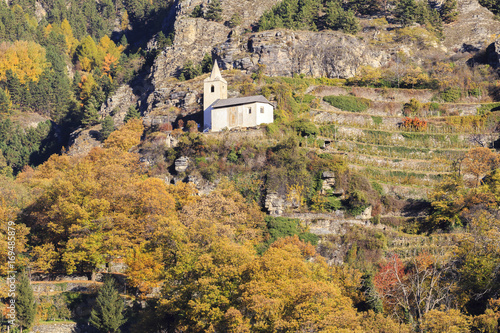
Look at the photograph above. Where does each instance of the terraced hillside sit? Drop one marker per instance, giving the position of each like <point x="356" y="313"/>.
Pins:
<point x="403" y="158"/>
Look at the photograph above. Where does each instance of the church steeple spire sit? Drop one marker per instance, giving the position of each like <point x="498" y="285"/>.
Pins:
<point x="215" y="72"/>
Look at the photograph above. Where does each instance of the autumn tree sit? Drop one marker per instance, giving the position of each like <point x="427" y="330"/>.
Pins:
<point x="443" y="321"/>
<point x="127" y="136"/>
<point x="478" y="261"/>
<point x="415" y="288"/>
<point x="25" y="59"/>
<point x="94" y="222"/>
<point x="479" y="162"/>
<point x="283" y="291"/>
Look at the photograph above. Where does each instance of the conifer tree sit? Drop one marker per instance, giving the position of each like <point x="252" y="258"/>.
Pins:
<point x="207" y="63"/>
<point x="107" y="314"/>
<point x="406" y="12"/>
<point x="25" y="302"/>
<point x="5" y="102"/>
<point x="108" y="126"/>
<point x="449" y="11"/>
<point x="214" y="11"/>
<point x="132" y="113"/>
<point x="90" y="114"/>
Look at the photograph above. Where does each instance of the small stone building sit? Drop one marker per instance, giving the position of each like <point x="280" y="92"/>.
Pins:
<point x="221" y="112"/>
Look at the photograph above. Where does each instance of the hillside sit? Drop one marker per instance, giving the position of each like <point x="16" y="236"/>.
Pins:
<point x="370" y="204"/>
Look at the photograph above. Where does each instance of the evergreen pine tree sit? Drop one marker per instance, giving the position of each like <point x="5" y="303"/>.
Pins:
<point x="214" y="11"/>
<point x="449" y="11"/>
<point x="90" y="114"/>
<point x="406" y="12"/>
<point x="25" y="302"/>
<point x="107" y="314"/>
<point x="197" y="11"/>
<point x="349" y="23"/>
<point x="123" y="40"/>
<point x="108" y="126"/>
<point x="14" y="86"/>
<point x="132" y="113"/>
<point x="5" y="102"/>
<point x="207" y="63"/>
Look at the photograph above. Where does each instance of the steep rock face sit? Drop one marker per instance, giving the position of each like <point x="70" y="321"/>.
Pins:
<point x="117" y="105"/>
<point x="327" y="53"/>
<point x="249" y="10"/>
<point x="82" y="141"/>
<point x="473" y="29"/>
<point x="194" y="37"/>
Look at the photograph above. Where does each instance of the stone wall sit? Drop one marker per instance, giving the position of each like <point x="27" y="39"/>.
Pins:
<point x="330" y="224"/>
<point x="50" y="287"/>
<point x="63" y="327"/>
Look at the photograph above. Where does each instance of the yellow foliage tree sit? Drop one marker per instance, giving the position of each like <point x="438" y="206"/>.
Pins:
<point x="67" y="32"/>
<point x="26" y="60"/>
<point x="86" y="86"/>
<point x="124" y="20"/>
<point x="445" y="321"/>
<point x="480" y="161"/>
<point x="108" y="54"/>
<point x="127" y="136"/>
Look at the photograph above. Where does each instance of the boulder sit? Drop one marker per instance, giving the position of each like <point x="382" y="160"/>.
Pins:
<point x="181" y="164"/>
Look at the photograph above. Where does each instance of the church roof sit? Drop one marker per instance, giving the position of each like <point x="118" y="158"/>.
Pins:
<point x="215" y="75"/>
<point x="223" y="103"/>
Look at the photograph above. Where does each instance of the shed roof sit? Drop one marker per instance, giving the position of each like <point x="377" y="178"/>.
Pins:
<point x="222" y="103"/>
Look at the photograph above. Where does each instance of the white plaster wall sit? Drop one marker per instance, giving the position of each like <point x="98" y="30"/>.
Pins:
<point x="249" y="118"/>
<point x="267" y="117"/>
<point x="220" y="119"/>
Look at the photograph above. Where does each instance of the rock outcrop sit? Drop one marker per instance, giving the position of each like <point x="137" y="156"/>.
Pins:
<point x="181" y="164"/>
<point x="117" y="105"/>
<point x="82" y="141"/>
<point x="473" y="29"/>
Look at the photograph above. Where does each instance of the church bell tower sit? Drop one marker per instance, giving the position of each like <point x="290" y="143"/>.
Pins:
<point x="214" y="87"/>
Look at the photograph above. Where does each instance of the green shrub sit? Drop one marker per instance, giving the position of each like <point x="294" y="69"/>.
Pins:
<point x="451" y="94"/>
<point x="232" y="156"/>
<point x="375" y="219"/>
<point x="280" y="227"/>
<point x="308" y="237"/>
<point x="348" y="103"/>
<point x="356" y="202"/>
<point x="377" y="120"/>
<point x="378" y="188"/>
<point x="305" y="127"/>
<point x="333" y="203"/>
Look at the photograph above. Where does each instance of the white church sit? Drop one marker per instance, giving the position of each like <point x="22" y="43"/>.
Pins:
<point x="221" y="112"/>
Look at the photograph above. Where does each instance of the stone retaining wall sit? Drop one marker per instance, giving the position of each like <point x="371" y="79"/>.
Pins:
<point x="65" y="327"/>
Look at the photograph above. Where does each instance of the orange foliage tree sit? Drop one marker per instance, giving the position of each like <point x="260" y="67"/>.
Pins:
<point x="414" y="124"/>
<point x="479" y="162"/>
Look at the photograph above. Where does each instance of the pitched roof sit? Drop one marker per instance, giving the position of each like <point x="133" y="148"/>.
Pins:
<point x="215" y="75"/>
<point x="222" y="103"/>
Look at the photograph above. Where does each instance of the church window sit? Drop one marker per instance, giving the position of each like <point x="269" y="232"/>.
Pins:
<point x="249" y="110"/>
<point x="261" y="109"/>
<point x="212" y="89"/>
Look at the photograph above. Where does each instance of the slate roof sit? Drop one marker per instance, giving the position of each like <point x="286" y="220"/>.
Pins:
<point x="223" y="103"/>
